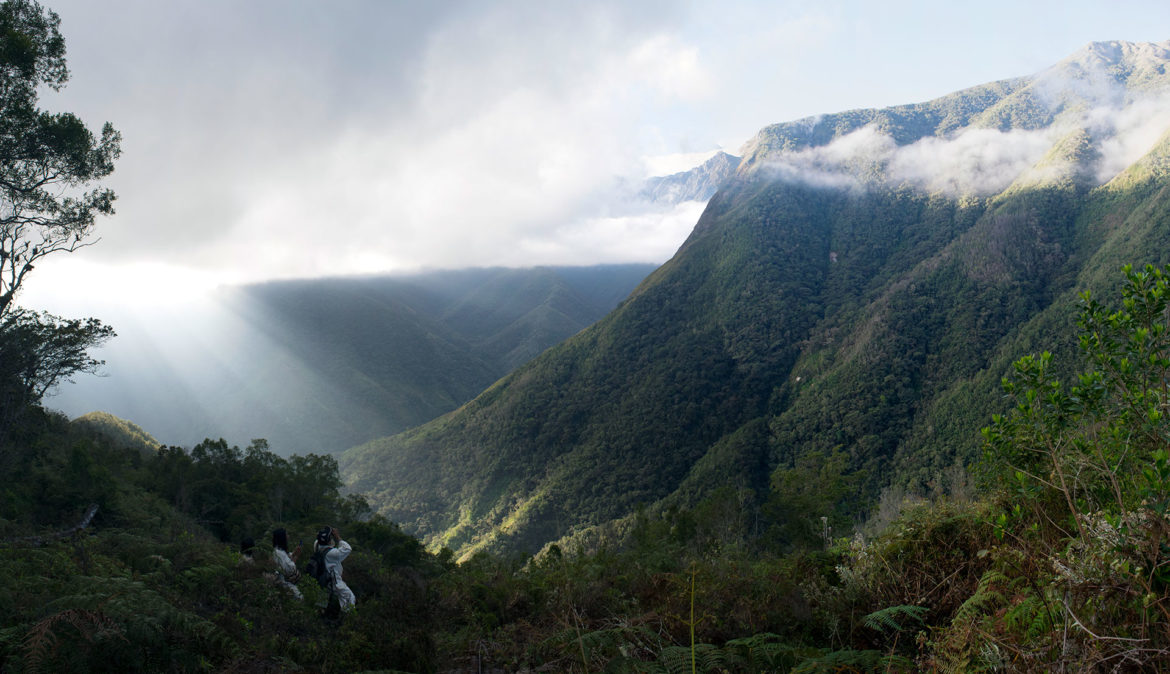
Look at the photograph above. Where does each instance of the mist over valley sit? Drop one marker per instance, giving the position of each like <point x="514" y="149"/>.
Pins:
<point x="322" y="365"/>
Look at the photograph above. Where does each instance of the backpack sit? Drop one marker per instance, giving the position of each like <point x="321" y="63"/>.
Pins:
<point x="316" y="569"/>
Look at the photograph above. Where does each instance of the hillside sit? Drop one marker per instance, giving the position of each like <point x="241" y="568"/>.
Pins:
<point x="857" y="290"/>
<point x="321" y="365"/>
<point x="118" y="432"/>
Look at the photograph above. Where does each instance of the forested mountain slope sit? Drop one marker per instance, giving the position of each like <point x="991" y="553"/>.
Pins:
<point x="857" y="290"/>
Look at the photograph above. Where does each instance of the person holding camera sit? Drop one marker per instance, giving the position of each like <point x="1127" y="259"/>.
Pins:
<point x="332" y="551"/>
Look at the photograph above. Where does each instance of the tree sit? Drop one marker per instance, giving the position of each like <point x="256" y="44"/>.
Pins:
<point x="48" y="162"/>
<point x="813" y="499"/>
<point x="1084" y="472"/>
<point x="1089" y="445"/>
<point x="48" y="202"/>
<point x="39" y="351"/>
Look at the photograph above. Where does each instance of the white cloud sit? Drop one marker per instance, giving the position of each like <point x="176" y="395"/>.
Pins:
<point x="673" y="68"/>
<point x="485" y="163"/>
<point x="301" y="139"/>
<point x="1127" y="134"/>
<point x="676" y="162"/>
<point x="971" y="162"/>
<point x="614" y="238"/>
<point x="981" y="161"/>
<point x="974" y="161"/>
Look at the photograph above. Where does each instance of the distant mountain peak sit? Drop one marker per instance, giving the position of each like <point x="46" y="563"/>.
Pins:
<point x="1138" y="55"/>
<point x="1107" y="73"/>
<point x="1110" y="98"/>
<point x="697" y="184"/>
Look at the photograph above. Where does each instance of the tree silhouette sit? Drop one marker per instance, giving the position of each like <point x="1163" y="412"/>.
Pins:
<point x="48" y="162"/>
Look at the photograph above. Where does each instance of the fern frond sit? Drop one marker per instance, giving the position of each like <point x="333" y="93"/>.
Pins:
<point x="1029" y="617"/>
<point x="600" y="641"/>
<point x="986" y="597"/>
<point x="766" y="650"/>
<point x="708" y="658"/>
<point x="843" y="661"/>
<point x="684" y="660"/>
<point x="42" y="639"/>
<point x="895" y="618"/>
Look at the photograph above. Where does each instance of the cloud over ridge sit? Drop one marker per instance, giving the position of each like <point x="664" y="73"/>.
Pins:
<point x="1017" y="139"/>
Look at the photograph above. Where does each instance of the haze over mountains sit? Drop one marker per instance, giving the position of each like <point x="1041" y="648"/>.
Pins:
<point x="322" y="365"/>
<point x="856" y="289"/>
<point x="697" y="184"/>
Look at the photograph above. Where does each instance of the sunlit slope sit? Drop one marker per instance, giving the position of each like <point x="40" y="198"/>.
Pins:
<point x="118" y="432"/>
<point x="860" y="287"/>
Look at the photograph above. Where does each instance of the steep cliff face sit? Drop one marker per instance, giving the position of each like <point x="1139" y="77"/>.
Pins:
<point x="859" y="285"/>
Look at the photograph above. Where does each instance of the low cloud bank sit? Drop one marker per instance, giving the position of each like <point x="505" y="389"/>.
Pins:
<point x="974" y="161"/>
<point x="1082" y="95"/>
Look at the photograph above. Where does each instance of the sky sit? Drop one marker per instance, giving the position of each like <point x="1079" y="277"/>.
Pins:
<point x="281" y="139"/>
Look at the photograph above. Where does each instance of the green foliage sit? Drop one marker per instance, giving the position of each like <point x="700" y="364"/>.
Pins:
<point x="818" y="332"/>
<point x="697" y="658"/>
<point x="364" y="357"/>
<point x="764" y="652"/>
<point x="796" y="321"/>
<point x="147" y="586"/>
<point x="118" y="431"/>
<point x="895" y="618"/>
<point x="814" y="501"/>
<point x="39" y="351"/>
<point x="1090" y="445"/>
<point x="237" y="492"/>
<point x="1085" y="471"/>
<point x="854" y="661"/>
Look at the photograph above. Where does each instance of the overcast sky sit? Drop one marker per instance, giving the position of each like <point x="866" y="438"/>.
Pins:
<point x="290" y="139"/>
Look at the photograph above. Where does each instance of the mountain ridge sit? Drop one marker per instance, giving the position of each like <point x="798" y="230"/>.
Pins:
<point x="854" y="288"/>
<point x="697" y="184"/>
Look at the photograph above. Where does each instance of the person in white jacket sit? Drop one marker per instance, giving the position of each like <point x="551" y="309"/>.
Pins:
<point x="337" y="550"/>
<point x="286" y="564"/>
